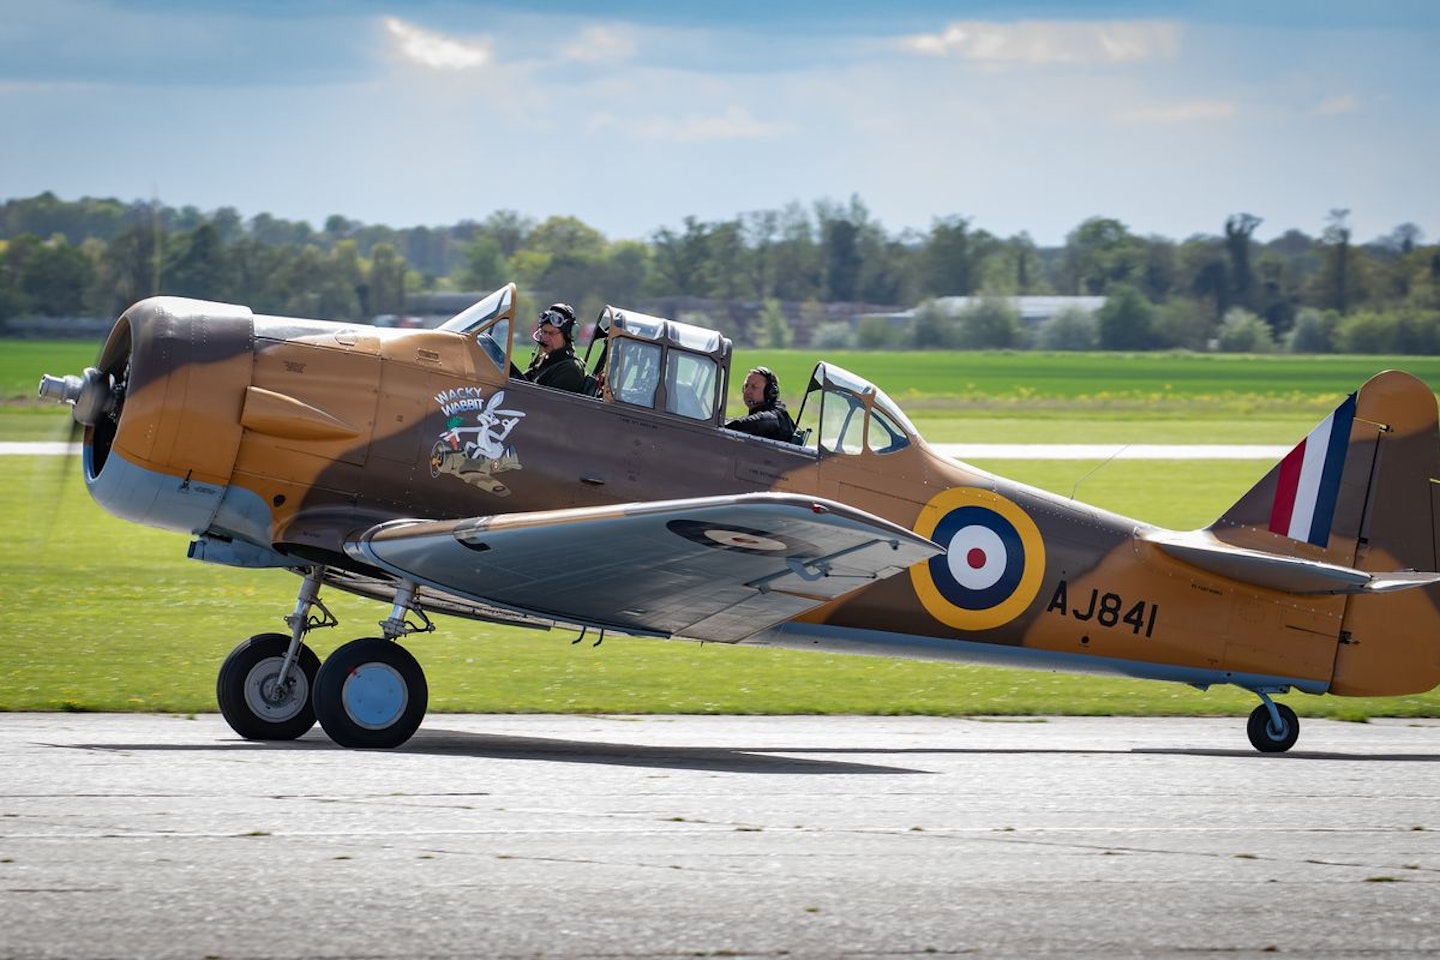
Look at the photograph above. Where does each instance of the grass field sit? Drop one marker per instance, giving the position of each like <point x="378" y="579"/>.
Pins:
<point x="103" y="615"/>
<point x="1197" y="384"/>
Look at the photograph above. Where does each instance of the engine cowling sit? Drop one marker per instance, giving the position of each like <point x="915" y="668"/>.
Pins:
<point x="162" y="447"/>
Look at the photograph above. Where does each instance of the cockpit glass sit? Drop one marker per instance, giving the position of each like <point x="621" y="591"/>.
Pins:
<point x="479" y="312"/>
<point x="884" y="435"/>
<point x="847" y="380"/>
<point x="842" y="422"/>
<point x="694" y="338"/>
<point x="690" y="385"/>
<point x="494" y="340"/>
<point x="842" y="397"/>
<point x="883" y="402"/>
<point x="640" y="324"/>
<point x="635" y="372"/>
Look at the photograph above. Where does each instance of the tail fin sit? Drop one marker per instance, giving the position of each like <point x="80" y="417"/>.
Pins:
<point x="1362" y="490"/>
<point x="1378" y="449"/>
<point x="1307" y="484"/>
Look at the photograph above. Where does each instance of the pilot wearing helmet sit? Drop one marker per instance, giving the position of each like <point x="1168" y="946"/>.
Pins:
<point x="555" y="364"/>
<point x="767" y="415"/>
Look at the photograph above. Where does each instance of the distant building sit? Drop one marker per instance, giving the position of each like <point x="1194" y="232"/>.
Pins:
<point x="1033" y="310"/>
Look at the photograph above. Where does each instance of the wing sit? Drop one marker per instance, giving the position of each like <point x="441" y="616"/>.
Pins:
<point x="713" y="568"/>
<point x="1281" y="572"/>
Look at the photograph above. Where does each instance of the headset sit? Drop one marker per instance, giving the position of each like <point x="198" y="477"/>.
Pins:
<point x="772" y="384"/>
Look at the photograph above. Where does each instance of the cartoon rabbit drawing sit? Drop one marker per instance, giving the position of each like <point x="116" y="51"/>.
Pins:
<point x="476" y="453"/>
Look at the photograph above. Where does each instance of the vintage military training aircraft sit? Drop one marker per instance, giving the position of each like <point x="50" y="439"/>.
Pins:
<point x="416" y="467"/>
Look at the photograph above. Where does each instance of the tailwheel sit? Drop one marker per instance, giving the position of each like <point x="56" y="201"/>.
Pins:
<point x="370" y="693"/>
<point x="1273" y="727"/>
<point x="251" y="700"/>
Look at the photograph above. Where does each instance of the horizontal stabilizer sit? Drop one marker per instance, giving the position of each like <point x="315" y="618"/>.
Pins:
<point x="1275" y="571"/>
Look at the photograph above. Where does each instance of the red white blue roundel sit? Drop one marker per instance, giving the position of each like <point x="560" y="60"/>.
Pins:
<point x="993" y="563"/>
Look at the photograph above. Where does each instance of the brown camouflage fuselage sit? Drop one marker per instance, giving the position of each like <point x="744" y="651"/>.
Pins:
<point x="276" y="441"/>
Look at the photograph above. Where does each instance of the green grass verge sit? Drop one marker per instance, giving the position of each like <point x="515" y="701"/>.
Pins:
<point x="22" y="362"/>
<point x="105" y="616"/>
<point x="1036" y="383"/>
<point x="977" y="381"/>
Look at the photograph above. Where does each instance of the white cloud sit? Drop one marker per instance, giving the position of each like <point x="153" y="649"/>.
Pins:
<point x="435" y="50"/>
<point x="1050" y="41"/>
<point x="1183" y="112"/>
<point x="735" y="123"/>
<point x="1331" y="106"/>
<point x="602" y="45"/>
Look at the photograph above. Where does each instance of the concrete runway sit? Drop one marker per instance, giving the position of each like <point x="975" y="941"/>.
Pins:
<point x="515" y="836"/>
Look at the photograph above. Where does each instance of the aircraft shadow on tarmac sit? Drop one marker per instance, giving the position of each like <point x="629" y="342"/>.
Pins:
<point x="1296" y="755"/>
<point x="789" y="760"/>
<point x="462" y="744"/>
<point x="1125" y="751"/>
<point x="726" y="759"/>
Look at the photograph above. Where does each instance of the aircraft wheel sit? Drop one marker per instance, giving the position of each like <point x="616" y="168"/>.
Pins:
<point x="1266" y="738"/>
<point x="370" y="693"/>
<point x="249" y="701"/>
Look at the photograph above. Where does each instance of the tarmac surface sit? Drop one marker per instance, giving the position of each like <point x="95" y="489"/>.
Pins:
<point x="657" y="837"/>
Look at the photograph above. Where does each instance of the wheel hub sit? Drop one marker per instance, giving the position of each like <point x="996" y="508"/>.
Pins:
<point x="271" y="701"/>
<point x="375" y="695"/>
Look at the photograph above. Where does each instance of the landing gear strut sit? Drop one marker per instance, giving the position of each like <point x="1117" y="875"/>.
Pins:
<point x="369" y="693"/>
<point x="265" y="685"/>
<point x="1273" y="727"/>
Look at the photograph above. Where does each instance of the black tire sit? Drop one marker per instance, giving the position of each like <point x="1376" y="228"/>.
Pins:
<point x="1268" y="740"/>
<point x="370" y="693"/>
<point x="244" y="688"/>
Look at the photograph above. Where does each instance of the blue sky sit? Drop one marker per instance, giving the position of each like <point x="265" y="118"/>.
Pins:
<point x="630" y="115"/>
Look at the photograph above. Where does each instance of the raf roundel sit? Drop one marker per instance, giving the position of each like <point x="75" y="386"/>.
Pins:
<point x="993" y="564"/>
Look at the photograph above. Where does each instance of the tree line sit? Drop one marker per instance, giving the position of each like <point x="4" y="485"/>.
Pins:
<point x="762" y="275"/>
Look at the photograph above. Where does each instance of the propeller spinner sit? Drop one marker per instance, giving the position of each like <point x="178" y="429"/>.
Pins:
<point x="92" y="395"/>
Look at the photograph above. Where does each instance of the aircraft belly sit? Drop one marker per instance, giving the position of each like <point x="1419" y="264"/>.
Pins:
<point x="828" y="638"/>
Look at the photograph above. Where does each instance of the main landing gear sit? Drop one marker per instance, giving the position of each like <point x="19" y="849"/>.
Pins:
<point x="1273" y="727"/>
<point x="369" y="693"/>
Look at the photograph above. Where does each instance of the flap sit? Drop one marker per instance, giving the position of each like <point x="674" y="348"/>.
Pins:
<point x="712" y="568"/>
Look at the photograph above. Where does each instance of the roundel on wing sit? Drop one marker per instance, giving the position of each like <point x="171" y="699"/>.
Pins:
<point x="993" y="564"/>
<point x="744" y="539"/>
